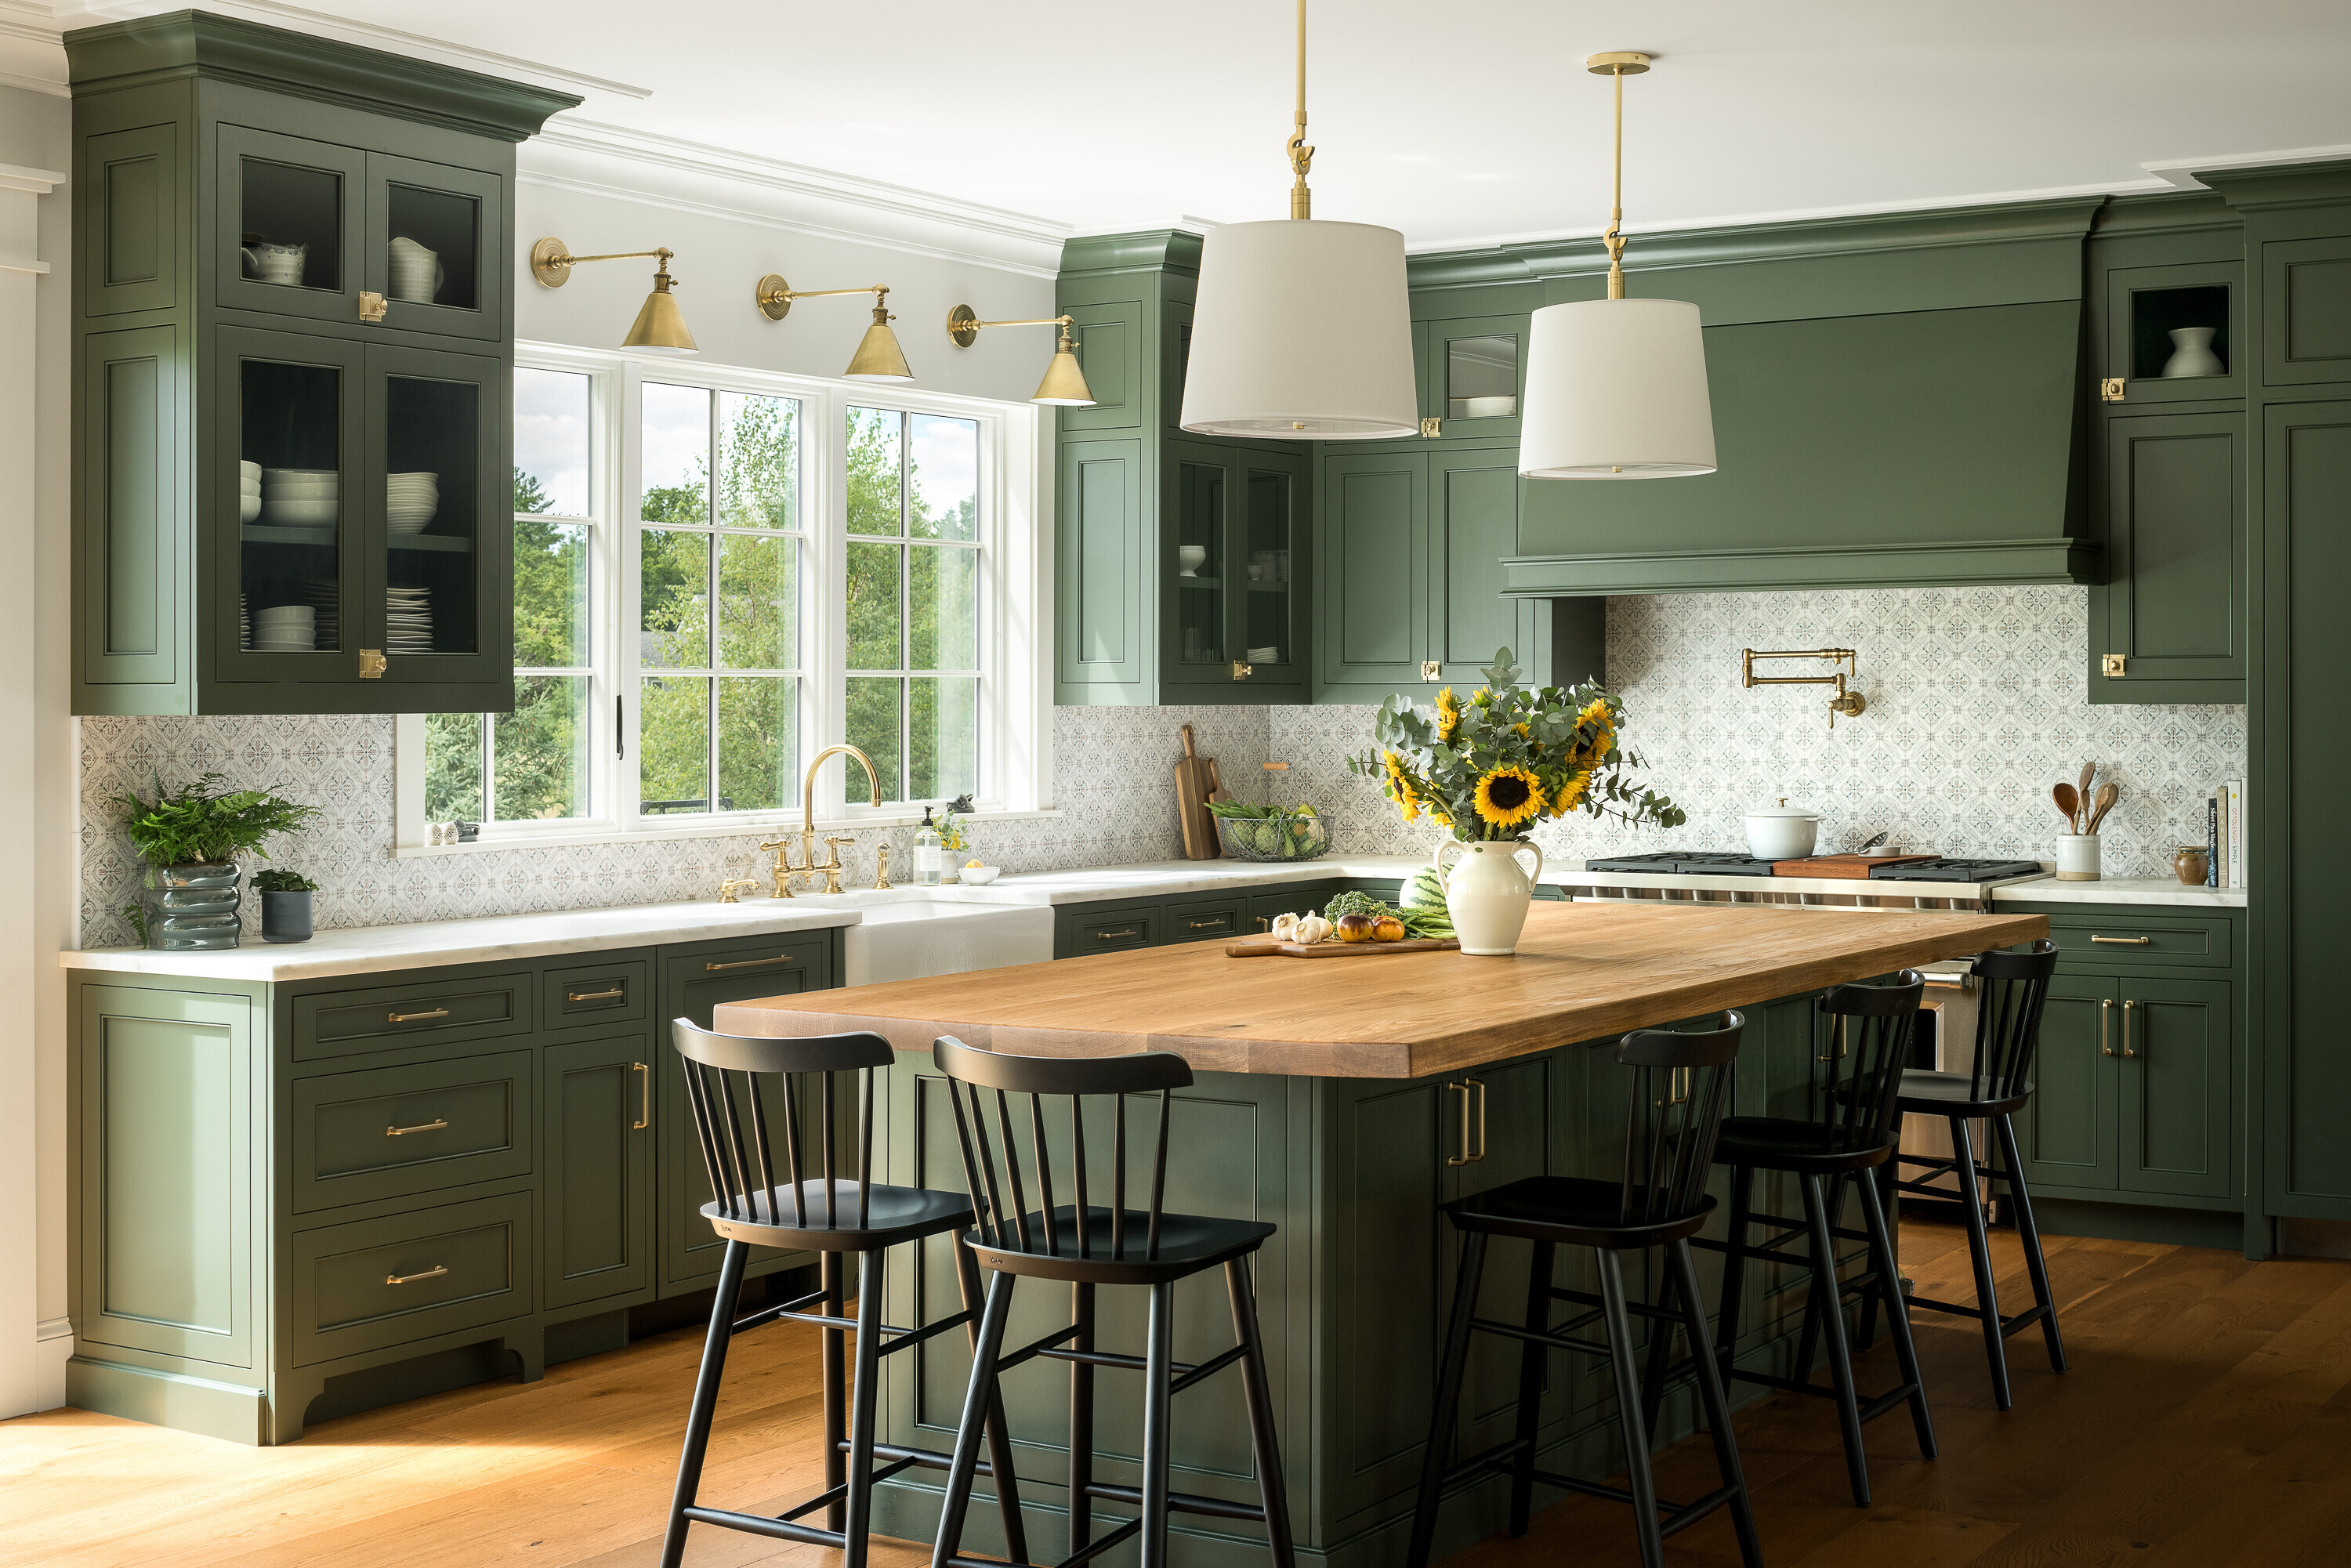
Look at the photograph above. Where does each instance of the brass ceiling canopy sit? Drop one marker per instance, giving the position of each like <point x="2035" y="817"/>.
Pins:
<point x="1064" y="385"/>
<point x="878" y="356"/>
<point x="660" y="326"/>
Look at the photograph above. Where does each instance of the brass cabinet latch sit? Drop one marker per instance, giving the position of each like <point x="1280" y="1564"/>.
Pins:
<point x="372" y="306"/>
<point x="1242" y="671"/>
<point x="2110" y="390"/>
<point x="1432" y="669"/>
<point x="2113" y="666"/>
<point x="1432" y="428"/>
<point x="372" y="664"/>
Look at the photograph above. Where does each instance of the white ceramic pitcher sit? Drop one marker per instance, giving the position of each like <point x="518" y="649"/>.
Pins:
<point x="1488" y="892"/>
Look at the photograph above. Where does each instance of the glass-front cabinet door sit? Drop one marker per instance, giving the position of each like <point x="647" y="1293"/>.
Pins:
<point x="429" y="236"/>
<point x="287" y="235"/>
<point x="1233" y="537"/>
<point x="287" y="518"/>
<point x="1201" y="520"/>
<point x="440" y="528"/>
<point x="1474" y="371"/>
<point x="1268" y="600"/>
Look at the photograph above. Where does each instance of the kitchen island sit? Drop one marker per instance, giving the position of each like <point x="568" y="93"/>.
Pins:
<point x="1344" y="1101"/>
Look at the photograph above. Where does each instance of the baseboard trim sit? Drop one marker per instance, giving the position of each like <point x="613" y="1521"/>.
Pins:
<point x="229" y="1411"/>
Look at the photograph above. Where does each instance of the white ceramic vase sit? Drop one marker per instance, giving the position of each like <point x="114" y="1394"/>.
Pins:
<point x="2191" y="353"/>
<point x="1487" y="892"/>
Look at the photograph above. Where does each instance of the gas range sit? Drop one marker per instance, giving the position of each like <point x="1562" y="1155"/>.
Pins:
<point x="1728" y="877"/>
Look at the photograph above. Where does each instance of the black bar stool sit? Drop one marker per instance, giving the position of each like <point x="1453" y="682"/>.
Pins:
<point x="1679" y="1085"/>
<point x="1085" y="1246"/>
<point x="2013" y="987"/>
<point x="1847" y="1132"/>
<point x="727" y="1085"/>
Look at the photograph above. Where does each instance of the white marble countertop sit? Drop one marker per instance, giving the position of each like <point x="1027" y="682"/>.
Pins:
<point x="376" y="948"/>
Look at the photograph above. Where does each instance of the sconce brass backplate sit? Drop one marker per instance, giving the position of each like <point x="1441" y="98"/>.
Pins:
<point x="962" y="326"/>
<point x="550" y="262"/>
<point x="775" y="296"/>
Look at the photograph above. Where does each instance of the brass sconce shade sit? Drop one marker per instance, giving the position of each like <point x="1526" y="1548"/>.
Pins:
<point x="1064" y="385"/>
<point x="878" y="356"/>
<point x="660" y="326"/>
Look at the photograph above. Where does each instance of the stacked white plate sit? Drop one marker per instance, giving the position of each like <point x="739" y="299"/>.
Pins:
<point x="243" y="623"/>
<point x="408" y="619"/>
<point x="326" y="599"/>
<point x="248" y="487"/>
<point x="409" y="501"/>
<point x="284" y="628"/>
<point x="415" y="272"/>
<point x="301" y="497"/>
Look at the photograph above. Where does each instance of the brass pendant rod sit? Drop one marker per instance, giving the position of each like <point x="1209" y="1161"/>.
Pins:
<point x="1301" y="156"/>
<point x="1614" y="238"/>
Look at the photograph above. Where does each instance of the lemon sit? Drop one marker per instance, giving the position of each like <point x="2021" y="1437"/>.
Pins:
<point x="972" y="866"/>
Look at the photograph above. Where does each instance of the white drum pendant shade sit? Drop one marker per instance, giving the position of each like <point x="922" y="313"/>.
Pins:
<point x="1302" y="331"/>
<point x="1616" y="389"/>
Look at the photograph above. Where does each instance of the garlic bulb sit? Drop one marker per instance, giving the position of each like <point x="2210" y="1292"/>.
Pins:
<point x="1311" y="929"/>
<point x="1283" y="927"/>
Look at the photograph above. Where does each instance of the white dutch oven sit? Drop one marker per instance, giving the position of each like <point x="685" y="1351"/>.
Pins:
<point x="1782" y="832"/>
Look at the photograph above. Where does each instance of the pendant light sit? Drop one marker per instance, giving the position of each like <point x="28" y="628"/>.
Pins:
<point x="1302" y="328"/>
<point x="660" y="326"/>
<point x="1617" y="387"/>
<point x="878" y="356"/>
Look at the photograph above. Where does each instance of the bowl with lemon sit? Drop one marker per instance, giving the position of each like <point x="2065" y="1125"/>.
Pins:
<point x="974" y="875"/>
<point x="1271" y="832"/>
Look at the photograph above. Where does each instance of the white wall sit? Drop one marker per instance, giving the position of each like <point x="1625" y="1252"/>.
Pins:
<point x="38" y="879"/>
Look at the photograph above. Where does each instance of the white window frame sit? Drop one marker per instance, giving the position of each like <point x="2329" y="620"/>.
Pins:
<point x="1016" y="609"/>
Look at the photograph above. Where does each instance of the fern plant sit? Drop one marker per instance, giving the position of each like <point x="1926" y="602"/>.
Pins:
<point x="204" y="822"/>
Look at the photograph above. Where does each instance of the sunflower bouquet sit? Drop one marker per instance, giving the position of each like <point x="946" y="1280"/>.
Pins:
<point x="1493" y="766"/>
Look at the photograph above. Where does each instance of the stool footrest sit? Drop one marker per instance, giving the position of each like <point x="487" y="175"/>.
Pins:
<point x="929" y="1458"/>
<point x="1181" y="1501"/>
<point x="1871" y="1410"/>
<point x="1587" y="1299"/>
<point x="2008" y="1326"/>
<point x="1086" y="1553"/>
<point x="760" y="1524"/>
<point x="838" y="1493"/>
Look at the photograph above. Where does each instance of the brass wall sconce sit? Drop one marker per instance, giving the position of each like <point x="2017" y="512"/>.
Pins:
<point x="878" y="356"/>
<point x="1850" y="704"/>
<point x="1064" y="385"/>
<point x="659" y="329"/>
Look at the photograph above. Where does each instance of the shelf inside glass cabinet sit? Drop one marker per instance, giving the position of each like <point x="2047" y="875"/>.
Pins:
<point x="432" y="449"/>
<point x="290" y="500"/>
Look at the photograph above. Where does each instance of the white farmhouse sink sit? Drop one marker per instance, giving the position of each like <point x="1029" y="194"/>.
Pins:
<point x="909" y="938"/>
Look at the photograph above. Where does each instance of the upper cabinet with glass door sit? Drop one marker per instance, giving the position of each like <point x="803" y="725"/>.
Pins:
<point x="1473" y="372"/>
<point x="294" y="314"/>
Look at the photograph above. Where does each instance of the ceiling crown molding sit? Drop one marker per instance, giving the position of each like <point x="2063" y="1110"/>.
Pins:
<point x="2184" y="171"/>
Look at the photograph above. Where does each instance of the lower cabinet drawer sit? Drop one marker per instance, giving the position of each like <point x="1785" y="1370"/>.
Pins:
<point x="434" y="1008"/>
<point x="1204" y="922"/>
<point x="378" y="1282"/>
<point x="2171" y="941"/>
<point x="362" y="1136"/>
<point x="1110" y="933"/>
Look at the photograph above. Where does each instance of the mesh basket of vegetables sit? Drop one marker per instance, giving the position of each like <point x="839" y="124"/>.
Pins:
<point x="1269" y="832"/>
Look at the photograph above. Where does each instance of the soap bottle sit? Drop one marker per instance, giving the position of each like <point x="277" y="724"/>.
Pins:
<point x="930" y="856"/>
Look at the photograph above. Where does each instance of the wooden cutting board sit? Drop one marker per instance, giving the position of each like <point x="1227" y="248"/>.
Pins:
<point x="1337" y="949"/>
<point x="1195" y="780"/>
<point x="1852" y="867"/>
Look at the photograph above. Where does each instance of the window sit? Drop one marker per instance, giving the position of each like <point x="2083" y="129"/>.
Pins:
<point x="719" y="572"/>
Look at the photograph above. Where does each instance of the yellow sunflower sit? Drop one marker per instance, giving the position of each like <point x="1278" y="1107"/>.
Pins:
<point x="1509" y="796"/>
<point x="1400" y="787"/>
<point x="1571" y="794"/>
<point x="1448" y="715"/>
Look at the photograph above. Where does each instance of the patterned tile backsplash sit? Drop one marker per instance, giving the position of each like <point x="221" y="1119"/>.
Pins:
<point x="1977" y="704"/>
<point x="1112" y="772"/>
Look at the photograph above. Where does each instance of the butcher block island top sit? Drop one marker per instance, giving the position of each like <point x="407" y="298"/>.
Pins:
<point x="1582" y="971"/>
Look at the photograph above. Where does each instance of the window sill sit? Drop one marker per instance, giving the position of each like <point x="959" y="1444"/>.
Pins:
<point x="764" y="827"/>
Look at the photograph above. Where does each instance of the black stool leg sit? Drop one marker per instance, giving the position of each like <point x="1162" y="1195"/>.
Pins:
<point x="1882" y="1264"/>
<point x="1717" y="1408"/>
<point x="2012" y="1164"/>
<point x="1734" y="1267"/>
<point x="999" y="1435"/>
<point x="1628" y="1412"/>
<point x="1447" y="1411"/>
<point x="1661" y="1350"/>
<point x="836" y="1401"/>
<point x="963" y="1465"/>
<point x="1826" y="1306"/>
<point x="1082" y="1422"/>
<point x="860" y="1409"/>
<point x="1880" y="1180"/>
<point x="1530" y="1375"/>
<point x="1979" y="1252"/>
<point x="1157" y="1374"/>
<point x="1257" y="1390"/>
<point x="706" y="1399"/>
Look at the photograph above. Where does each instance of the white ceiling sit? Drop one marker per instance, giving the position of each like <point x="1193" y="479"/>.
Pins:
<point x="1454" y="123"/>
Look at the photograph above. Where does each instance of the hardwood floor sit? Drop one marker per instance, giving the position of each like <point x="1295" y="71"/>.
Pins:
<point x="2206" y="1422"/>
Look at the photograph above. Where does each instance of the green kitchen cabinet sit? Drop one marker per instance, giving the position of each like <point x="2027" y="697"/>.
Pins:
<point x="1473" y="375"/>
<point x="2169" y="623"/>
<point x="598" y="1099"/>
<point x="297" y="256"/>
<point x="2307" y="288"/>
<point x="2068" y="1131"/>
<point x="1141" y="621"/>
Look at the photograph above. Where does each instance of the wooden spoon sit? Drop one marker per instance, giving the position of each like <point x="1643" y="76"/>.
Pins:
<point x="2108" y="796"/>
<point x="2070" y="804"/>
<point x="2082" y="793"/>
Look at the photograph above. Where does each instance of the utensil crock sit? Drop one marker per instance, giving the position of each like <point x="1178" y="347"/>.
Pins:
<point x="2077" y="857"/>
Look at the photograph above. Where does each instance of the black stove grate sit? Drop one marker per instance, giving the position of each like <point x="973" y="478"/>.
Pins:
<point x="1954" y="870"/>
<point x="1687" y="862"/>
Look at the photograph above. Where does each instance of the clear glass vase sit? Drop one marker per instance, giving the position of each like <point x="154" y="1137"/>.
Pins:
<point x="190" y="908"/>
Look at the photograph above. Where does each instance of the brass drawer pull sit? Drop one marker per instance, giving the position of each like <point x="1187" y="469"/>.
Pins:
<point x="1127" y="935"/>
<point x="2125" y="941"/>
<point x="644" y="1097"/>
<point x="415" y="1017"/>
<point x="1218" y="924"/>
<point x="2126" y="1044"/>
<point x="615" y="994"/>
<point x="1465" y="1157"/>
<point x="747" y="963"/>
<point x="434" y="1272"/>
<point x="2105" y="1017"/>
<point x="434" y="1125"/>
